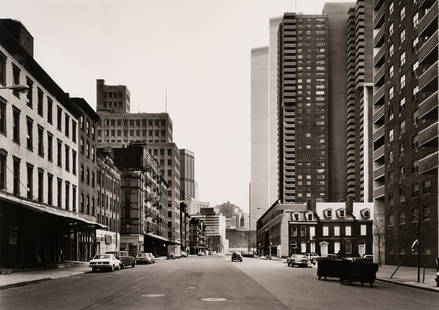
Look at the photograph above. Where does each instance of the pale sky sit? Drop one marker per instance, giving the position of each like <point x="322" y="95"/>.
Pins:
<point x="198" y="49"/>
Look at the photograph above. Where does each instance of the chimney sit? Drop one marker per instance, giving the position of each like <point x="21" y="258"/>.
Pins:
<point x="349" y="205"/>
<point x="311" y="204"/>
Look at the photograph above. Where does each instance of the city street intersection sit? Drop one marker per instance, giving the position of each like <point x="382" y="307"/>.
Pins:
<point x="212" y="282"/>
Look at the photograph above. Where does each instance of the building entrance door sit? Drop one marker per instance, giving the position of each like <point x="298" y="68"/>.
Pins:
<point x="324" y="248"/>
<point x="361" y="249"/>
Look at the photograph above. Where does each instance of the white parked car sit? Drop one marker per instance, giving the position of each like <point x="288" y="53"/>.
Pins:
<point x="105" y="261"/>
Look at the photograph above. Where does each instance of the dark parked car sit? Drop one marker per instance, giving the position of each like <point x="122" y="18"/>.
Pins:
<point x="125" y="258"/>
<point x="236" y="256"/>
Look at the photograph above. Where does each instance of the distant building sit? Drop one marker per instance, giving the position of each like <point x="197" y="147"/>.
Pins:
<point x="197" y="236"/>
<point x="235" y="218"/>
<point x="144" y="214"/>
<point x="215" y="229"/>
<point x="241" y="240"/>
<point x="187" y="175"/>
<point x="194" y="206"/>
<point x="323" y="228"/>
<point x="112" y="98"/>
<point x="260" y="133"/>
<point x="108" y="202"/>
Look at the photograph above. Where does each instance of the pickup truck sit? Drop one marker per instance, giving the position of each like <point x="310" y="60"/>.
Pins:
<point x="125" y="258"/>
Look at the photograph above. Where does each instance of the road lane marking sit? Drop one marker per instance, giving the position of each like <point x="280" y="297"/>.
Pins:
<point x="213" y="299"/>
<point x="153" y="295"/>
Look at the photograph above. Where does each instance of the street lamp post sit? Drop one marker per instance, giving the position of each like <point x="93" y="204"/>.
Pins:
<point x="18" y="88"/>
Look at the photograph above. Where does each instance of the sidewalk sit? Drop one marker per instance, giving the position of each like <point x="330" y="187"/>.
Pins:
<point x="408" y="276"/>
<point x="12" y="278"/>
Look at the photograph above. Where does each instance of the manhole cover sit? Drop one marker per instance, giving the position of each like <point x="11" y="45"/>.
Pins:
<point x="213" y="299"/>
<point x="153" y="295"/>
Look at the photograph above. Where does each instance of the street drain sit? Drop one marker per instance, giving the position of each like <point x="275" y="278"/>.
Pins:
<point x="213" y="299"/>
<point x="153" y="295"/>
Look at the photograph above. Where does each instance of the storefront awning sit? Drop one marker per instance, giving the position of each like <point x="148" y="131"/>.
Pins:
<point x="157" y="237"/>
<point x="38" y="207"/>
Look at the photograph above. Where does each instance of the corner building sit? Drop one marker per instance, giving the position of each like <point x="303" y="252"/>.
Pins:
<point x="302" y="108"/>
<point x="405" y="121"/>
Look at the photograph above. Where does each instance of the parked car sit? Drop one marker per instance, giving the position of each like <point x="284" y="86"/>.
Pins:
<point x="298" y="260"/>
<point x="142" y="258"/>
<point x="313" y="257"/>
<point x="368" y="258"/>
<point x="201" y="253"/>
<point x="125" y="258"/>
<point x="105" y="261"/>
<point x="236" y="256"/>
<point x="151" y="258"/>
<point x="183" y="254"/>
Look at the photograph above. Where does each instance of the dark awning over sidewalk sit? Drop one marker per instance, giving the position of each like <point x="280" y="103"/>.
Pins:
<point x="6" y="199"/>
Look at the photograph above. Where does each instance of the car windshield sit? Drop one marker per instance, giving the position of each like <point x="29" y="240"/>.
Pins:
<point x="102" y="256"/>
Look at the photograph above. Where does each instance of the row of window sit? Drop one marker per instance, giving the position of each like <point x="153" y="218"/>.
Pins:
<point x="414" y="216"/>
<point x="305" y="231"/>
<point x="18" y="186"/>
<point x="132" y="133"/>
<point x="134" y="122"/>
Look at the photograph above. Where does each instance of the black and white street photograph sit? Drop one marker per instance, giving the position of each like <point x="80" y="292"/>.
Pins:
<point x="219" y="154"/>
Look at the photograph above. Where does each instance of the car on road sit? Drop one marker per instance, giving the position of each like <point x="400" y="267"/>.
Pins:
<point x="183" y="254"/>
<point x="236" y="256"/>
<point x="298" y="260"/>
<point x="312" y="257"/>
<point x="124" y="257"/>
<point x="105" y="261"/>
<point x="368" y="258"/>
<point x="142" y="258"/>
<point x="201" y="253"/>
<point x="151" y="258"/>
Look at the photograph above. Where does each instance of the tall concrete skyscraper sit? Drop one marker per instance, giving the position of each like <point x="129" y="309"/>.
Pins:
<point x="273" y="126"/>
<point x="187" y="175"/>
<point x="303" y="107"/>
<point x="260" y="112"/>
<point x="337" y="14"/>
<point x="405" y="120"/>
<point x="359" y="87"/>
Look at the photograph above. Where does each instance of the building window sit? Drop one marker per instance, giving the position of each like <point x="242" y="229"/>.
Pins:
<point x="81" y="145"/>
<point x="59" y="153"/>
<point x="87" y="150"/>
<point x="40" y="141"/>
<point x="67" y="125"/>
<point x="363" y="230"/>
<point x="73" y="198"/>
<point x="29" y="96"/>
<point x="49" y="146"/>
<point x="402" y="59"/>
<point x="402" y="13"/>
<point x="49" y="189"/>
<point x="390" y="8"/>
<point x="390" y="135"/>
<point x="415" y="215"/>
<point x="30" y="182"/>
<point x="74" y="162"/>
<point x="391" y="29"/>
<point x="81" y="172"/>
<point x="67" y="195"/>
<point x="16" y="125"/>
<point x="40" y="184"/>
<point x="2" y="116"/>
<point x="402" y="127"/>
<point x="87" y="179"/>
<point x="426" y="213"/>
<point x="391" y="71"/>
<point x="49" y="110"/>
<point x="67" y="157"/>
<point x="391" y="51"/>
<point x="426" y="187"/>
<point x="348" y="231"/>
<point x="415" y="19"/>
<point x="401" y="218"/>
<point x="30" y="136"/>
<point x="401" y="195"/>
<point x="3" y="169"/>
<point x="2" y="69"/>
<point x="348" y="247"/>
<point x="40" y="102"/>
<point x="390" y="220"/>
<point x="16" y="79"/>
<point x="59" y="189"/>
<point x="336" y="230"/>
<point x="59" y="118"/>
<point x="402" y="83"/>
<point x="325" y="231"/>
<point x="415" y="190"/>
<point x="73" y="131"/>
<point x="302" y="231"/>
<point x="391" y="93"/>
<point x="402" y="36"/>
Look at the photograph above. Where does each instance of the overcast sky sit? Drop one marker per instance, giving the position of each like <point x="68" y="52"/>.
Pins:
<point x="198" y="49"/>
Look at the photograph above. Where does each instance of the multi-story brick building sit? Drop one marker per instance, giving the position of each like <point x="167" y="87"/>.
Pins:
<point x="143" y="213"/>
<point x="303" y="103"/>
<point x="197" y="236"/>
<point x="87" y="173"/>
<point x="406" y="128"/>
<point x="38" y="159"/>
<point x="359" y="154"/>
<point x="108" y="202"/>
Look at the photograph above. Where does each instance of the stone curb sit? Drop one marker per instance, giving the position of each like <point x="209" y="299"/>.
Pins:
<point x="410" y="285"/>
<point x="4" y="287"/>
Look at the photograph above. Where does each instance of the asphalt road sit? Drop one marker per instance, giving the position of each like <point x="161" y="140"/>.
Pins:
<point x="212" y="283"/>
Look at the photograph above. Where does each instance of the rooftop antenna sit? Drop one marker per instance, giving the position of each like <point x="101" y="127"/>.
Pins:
<point x="166" y="100"/>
